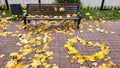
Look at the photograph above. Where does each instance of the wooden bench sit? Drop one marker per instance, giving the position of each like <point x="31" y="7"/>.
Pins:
<point x="52" y="12"/>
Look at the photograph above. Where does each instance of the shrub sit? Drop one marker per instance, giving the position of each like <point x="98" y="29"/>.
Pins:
<point x="2" y="6"/>
<point x="70" y="1"/>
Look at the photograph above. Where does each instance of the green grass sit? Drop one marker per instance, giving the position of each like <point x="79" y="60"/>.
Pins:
<point x="97" y="14"/>
<point x="104" y="14"/>
<point x="7" y="13"/>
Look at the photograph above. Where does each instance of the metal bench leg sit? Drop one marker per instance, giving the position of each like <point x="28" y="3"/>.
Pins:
<point x="28" y="21"/>
<point x="78" y="22"/>
<point x="25" y="22"/>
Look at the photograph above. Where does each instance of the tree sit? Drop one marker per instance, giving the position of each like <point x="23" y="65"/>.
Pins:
<point x="102" y="4"/>
<point x="7" y="6"/>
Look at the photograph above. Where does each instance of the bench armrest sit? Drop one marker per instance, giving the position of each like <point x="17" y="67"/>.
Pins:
<point x="79" y="15"/>
<point x="24" y="15"/>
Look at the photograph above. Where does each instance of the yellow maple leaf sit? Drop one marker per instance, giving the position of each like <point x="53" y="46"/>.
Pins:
<point x="111" y="64"/>
<point x="43" y="59"/>
<point x="72" y="61"/>
<point x="49" y="53"/>
<point x="83" y="42"/>
<point x="46" y="17"/>
<point x="24" y="41"/>
<point x="21" y="65"/>
<point x="32" y="40"/>
<point x="28" y="50"/>
<point x="46" y="46"/>
<point x="4" y="13"/>
<point x="87" y="13"/>
<point x="75" y="15"/>
<point x="55" y="16"/>
<point x="90" y="29"/>
<point x="35" y="64"/>
<point x="55" y="8"/>
<point x="61" y="9"/>
<point x="72" y="51"/>
<point x="11" y="64"/>
<point x="50" y="58"/>
<point x="81" y="31"/>
<point x="29" y="34"/>
<point x="68" y="15"/>
<point x="103" y="66"/>
<point x="20" y="56"/>
<point x="60" y="16"/>
<point x="47" y="65"/>
<point x="91" y="58"/>
<point x="113" y="32"/>
<point x="1" y="56"/>
<point x="81" y="60"/>
<point x="94" y="63"/>
<point x="105" y="51"/>
<point x="97" y="23"/>
<point x="91" y="17"/>
<point x="45" y="38"/>
<point x="13" y="54"/>
<point x="14" y="35"/>
<point x="55" y="66"/>
<point x="100" y="55"/>
<point x="67" y="56"/>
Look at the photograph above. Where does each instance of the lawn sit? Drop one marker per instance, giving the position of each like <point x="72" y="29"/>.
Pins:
<point x="104" y="14"/>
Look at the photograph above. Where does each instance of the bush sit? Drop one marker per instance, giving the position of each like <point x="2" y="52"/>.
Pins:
<point x="70" y="1"/>
<point x="2" y="6"/>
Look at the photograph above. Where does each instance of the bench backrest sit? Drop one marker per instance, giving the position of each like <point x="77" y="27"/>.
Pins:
<point x="52" y="9"/>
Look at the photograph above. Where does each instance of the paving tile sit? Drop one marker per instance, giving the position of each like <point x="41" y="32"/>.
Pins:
<point x="8" y="44"/>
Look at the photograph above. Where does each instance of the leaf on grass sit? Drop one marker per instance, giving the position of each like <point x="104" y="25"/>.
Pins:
<point x="87" y="13"/>
<point x="91" y="17"/>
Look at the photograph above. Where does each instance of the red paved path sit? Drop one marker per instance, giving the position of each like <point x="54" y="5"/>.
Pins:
<point x="7" y="44"/>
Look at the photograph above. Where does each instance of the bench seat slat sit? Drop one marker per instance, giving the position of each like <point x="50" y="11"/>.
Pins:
<point x="38" y="18"/>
